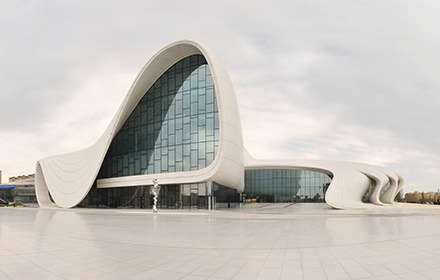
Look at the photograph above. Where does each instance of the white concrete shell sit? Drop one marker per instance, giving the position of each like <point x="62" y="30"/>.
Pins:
<point x="68" y="178"/>
<point x="350" y="182"/>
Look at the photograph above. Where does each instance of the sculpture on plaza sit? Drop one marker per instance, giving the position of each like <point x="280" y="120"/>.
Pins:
<point x="154" y="190"/>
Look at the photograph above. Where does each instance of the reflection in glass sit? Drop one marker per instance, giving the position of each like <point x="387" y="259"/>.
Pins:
<point x="286" y="185"/>
<point x="178" y="111"/>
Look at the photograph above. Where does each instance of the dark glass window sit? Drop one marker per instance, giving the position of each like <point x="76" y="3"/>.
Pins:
<point x="173" y="128"/>
<point x="286" y="185"/>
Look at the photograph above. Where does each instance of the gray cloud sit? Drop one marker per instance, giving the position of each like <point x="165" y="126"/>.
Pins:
<point x="323" y="79"/>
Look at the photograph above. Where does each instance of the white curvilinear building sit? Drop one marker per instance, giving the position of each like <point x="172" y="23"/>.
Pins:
<point x="179" y="124"/>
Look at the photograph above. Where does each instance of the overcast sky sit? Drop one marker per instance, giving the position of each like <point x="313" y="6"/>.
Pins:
<point x="341" y="80"/>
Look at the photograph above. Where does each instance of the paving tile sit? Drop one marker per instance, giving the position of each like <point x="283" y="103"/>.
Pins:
<point x="299" y="242"/>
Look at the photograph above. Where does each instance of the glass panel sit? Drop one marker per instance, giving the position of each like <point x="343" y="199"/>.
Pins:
<point x="161" y="123"/>
<point x="286" y="185"/>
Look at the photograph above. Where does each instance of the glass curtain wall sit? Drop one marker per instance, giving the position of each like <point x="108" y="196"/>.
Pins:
<point x="286" y="185"/>
<point x="209" y="195"/>
<point x="174" y="128"/>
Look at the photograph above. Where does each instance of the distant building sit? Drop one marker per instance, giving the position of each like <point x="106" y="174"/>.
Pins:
<point x="21" y="178"/>
<point x="20" y="189"/>
<point x="423" y="197"/>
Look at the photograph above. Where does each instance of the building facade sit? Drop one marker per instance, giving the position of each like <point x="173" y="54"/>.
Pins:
<point x="20" y="189"/>
<point x="179" y="124"/>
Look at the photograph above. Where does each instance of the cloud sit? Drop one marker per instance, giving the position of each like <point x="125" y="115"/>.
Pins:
<point x="321" y="80"/>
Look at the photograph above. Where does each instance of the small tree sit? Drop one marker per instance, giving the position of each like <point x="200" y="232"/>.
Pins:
<point x="423" y="199"/>
<point x="399" y="196"/>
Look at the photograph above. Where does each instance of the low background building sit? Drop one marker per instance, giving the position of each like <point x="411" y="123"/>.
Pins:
<point x="20" y="189"/>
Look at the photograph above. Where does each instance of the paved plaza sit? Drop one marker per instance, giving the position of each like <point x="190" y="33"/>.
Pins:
<point x="270" y="241"/>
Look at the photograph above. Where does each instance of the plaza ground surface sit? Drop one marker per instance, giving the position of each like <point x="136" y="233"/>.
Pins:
<point x="270" y="241"/>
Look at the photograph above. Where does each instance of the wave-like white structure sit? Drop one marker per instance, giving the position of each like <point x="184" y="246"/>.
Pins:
<point x="350" y="182"/>
<point x="65" y="180"/>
